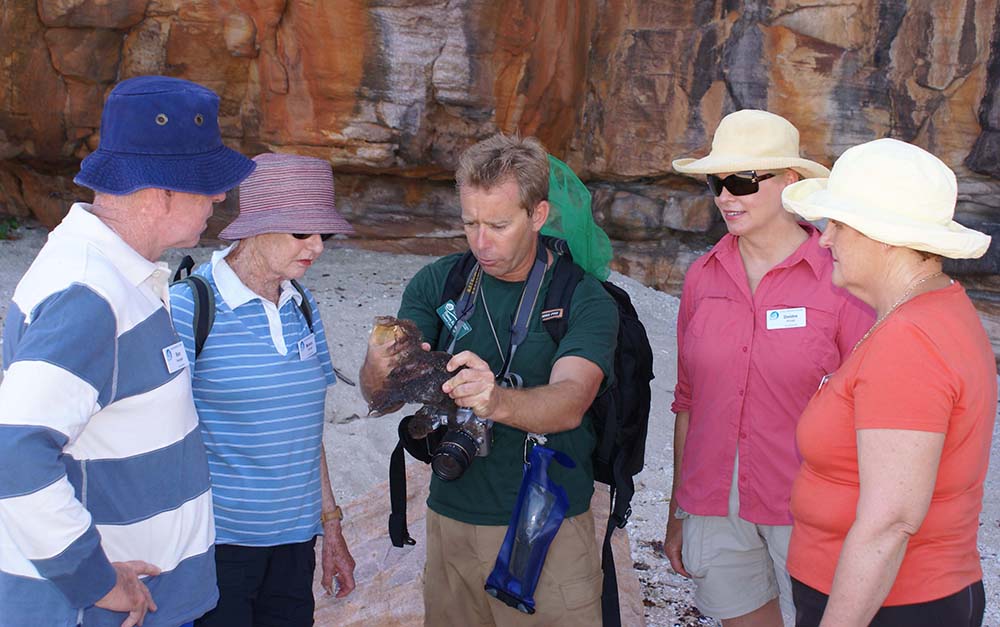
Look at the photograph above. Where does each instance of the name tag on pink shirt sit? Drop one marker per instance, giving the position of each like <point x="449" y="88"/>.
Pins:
<point x="786" y="318"/>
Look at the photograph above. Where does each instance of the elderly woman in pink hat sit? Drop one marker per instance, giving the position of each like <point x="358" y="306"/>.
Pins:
<point x="260" y="376"/>
<point x="758" y="328"/>
<point x="896" y="443"/>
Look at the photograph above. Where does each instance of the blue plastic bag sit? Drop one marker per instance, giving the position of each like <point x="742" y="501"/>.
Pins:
<point x="539" y="511"/>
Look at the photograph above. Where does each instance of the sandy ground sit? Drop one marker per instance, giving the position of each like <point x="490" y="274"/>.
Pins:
<point x="353" y="286"/>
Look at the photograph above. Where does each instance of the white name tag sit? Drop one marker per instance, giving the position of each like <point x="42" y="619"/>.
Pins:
<point x="175" y="357"/>
<point x="307" y="346"/>
<point x="786" y="318"/>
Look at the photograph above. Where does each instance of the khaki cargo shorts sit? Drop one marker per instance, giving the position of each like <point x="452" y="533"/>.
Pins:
<point x="737" y="566"/>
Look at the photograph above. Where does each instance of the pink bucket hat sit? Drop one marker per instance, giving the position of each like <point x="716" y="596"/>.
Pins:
<point x="287" y="194"/>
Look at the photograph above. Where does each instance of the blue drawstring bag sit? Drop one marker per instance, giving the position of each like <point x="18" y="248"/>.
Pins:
<point x="539" y="511"/>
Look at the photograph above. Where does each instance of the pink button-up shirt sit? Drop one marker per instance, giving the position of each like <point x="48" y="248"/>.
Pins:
<point x="747" y="364"/>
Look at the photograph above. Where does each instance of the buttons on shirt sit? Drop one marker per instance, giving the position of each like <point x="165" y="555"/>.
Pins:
<point x="745" y="349"/>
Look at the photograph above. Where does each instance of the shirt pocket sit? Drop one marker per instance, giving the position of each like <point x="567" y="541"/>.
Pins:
<point x="533" y="360"/>
<point x="814" y="344"/>
<point x="714" y="316"/>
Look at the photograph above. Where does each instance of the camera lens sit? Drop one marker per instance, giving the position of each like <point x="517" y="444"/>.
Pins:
<point x="454" y="455"/>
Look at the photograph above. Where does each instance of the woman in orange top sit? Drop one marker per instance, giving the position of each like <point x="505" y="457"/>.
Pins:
<point x="895" y="445"/>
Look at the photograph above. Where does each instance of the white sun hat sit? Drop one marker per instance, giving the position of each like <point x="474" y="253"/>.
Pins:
<point x="753" y="140"/>
<point x="892" y="192"/>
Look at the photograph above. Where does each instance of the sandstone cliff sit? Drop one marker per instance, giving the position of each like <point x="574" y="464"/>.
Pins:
<point x="389" y="91"/>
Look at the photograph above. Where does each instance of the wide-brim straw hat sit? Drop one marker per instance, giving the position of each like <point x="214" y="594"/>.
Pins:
<point x="162" y="132"/>
<point x="892" y="192"/>
<point x="753" y="140"/>
<point x="287" y="194"/>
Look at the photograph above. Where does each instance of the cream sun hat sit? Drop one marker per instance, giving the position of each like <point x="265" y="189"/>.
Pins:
<point x="892" y="192"/>
<point x="753" y="140"/>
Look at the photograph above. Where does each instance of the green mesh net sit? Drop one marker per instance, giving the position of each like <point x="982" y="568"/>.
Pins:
<point x="571" y="219"/>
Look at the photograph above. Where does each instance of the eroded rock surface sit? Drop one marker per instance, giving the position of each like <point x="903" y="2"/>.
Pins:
<point x="390" y="91"/>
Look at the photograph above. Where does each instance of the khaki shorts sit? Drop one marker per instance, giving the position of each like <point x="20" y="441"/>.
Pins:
<point x="737" y="566"/>
<point x="461" y="556"/>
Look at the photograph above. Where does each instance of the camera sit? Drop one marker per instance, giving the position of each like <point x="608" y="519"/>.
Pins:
<point x="466" y="436"/>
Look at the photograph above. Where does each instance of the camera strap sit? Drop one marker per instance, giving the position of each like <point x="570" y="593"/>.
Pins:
<point x="466" y="305"/>
<point x="519" y="326"/>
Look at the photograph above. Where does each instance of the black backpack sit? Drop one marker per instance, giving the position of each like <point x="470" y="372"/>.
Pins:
<point x="620" y="414"/>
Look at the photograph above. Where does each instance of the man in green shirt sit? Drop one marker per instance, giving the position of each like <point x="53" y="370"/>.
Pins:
<point x="503" y="187"/>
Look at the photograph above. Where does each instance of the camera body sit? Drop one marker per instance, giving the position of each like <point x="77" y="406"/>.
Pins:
<point x="466" y="436"/>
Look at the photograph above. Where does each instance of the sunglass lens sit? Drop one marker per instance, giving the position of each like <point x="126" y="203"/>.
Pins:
<point x="737" y="185"/>
<point x="323" y="236"/>
<point x="715" y="184"/>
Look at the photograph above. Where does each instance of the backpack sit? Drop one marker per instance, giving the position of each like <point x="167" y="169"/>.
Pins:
<point x="620" y="414"/>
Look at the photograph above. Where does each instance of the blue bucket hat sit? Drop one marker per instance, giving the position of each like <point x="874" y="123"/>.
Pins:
<point x="162" y="132"/>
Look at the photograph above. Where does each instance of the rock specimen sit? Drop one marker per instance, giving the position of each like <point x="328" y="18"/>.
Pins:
<point x="418" y="375"/>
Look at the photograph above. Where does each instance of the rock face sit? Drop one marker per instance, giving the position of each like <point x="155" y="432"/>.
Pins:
<point x="390" y="91"/>
<point x="390" y="580"/>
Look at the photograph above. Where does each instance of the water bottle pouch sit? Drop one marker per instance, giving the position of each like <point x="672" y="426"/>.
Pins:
<point x="539" y="511"/>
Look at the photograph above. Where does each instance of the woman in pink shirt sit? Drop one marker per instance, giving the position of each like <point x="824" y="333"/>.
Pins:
<point x="759" y="327"/>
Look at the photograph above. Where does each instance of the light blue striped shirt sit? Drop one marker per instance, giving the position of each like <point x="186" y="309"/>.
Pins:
<point x="261" y="407"/>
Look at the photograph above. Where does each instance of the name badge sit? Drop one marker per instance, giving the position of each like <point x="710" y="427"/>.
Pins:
<point x="307" y="346"/>
<point x="786" y="318"/>
<point x="448" y="315"/>
<point x="175" y="357"/>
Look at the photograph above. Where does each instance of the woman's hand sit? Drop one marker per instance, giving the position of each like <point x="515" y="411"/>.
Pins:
<point x="337" y="561"/>
<point x="672" y="543"/>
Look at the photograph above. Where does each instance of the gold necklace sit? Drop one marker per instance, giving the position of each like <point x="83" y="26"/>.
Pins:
<point x="902" y="299"/>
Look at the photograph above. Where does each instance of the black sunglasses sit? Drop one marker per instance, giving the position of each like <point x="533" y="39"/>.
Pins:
<point x="739" y="184"/>
<point x="324" y="236"/>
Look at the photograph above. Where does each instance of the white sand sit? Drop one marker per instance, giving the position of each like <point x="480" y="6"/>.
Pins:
<point x="353" y="286"/>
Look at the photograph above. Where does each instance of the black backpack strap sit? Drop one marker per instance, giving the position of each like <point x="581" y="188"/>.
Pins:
<point x="398" y="532"/>
<point x="457" y="277"/>
<point x="621" y="491"/>
<point x="304" y="304"/>
<point x="204" y="308"/>
<point x="186" y="265"/>
<point x="306" y="310"/>
<point x="555" y="312"/>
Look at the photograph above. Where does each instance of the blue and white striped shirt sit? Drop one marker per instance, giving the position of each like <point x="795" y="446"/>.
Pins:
<point x="102" y="460"/>
<point x="261" y="408"/>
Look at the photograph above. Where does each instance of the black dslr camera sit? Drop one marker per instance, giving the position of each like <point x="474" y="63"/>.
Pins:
<point x="448" y="440"/>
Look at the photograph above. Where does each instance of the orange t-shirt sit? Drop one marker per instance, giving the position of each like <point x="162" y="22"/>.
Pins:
<point x="928" y="367"/>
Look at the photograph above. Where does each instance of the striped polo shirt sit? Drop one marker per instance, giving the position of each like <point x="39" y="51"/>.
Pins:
<point x="102" y="460"/>
<point x="260" y="402"/>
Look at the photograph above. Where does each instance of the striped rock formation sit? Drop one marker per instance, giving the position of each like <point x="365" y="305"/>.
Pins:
<point x="389" y="91"/>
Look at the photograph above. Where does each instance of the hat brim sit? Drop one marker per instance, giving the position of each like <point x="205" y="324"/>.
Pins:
<point x="717" y="164"/>
<point x="813" y="201"/>
<point x="322" y="220"/>
<point x="209" y="173"/>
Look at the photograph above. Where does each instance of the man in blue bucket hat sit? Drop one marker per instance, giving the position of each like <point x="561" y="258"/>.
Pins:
<point x="105" y="506"/>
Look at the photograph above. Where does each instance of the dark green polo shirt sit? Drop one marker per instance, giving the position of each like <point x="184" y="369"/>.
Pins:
<point x="486" y="493"/>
